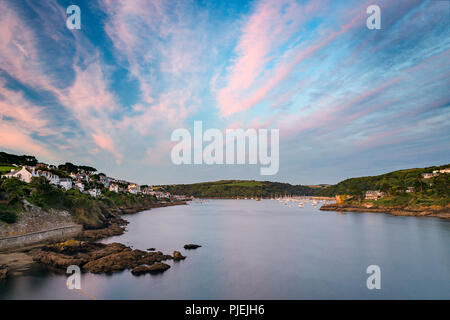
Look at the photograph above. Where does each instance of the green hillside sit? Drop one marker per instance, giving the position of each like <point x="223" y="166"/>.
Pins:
<point x="238" y="188"/>
<point x="390" y="182"/>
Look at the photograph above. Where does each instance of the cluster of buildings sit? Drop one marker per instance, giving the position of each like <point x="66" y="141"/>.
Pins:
<point x="26" y="173"/>
<point x="374" y="195"/>
<point x="435" y="173"/>
<point x="82" y="181"/>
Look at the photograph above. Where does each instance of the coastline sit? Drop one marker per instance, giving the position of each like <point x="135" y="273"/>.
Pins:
<point x="15" y="261"/>
<point x="434" y="211"/>
<point x="117" y="225"/>
<point x="266" y="198"/>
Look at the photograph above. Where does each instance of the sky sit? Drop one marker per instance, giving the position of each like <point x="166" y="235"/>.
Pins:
<point x="348" y="101"/>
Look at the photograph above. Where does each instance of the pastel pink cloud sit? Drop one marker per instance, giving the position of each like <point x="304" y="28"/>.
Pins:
<point x="14" y="139"/>
<point x="271" y="26"/>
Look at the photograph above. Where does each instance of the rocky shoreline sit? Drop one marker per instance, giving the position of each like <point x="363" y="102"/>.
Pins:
<point x="100" y="258"/>
<point x="433" y="211"/>
<point x="89" y="255"/>
<point x="115" y="225"/>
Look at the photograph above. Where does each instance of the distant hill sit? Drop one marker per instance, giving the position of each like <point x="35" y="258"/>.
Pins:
<point x="393" y="181"/>
<point x="238" y="188"/>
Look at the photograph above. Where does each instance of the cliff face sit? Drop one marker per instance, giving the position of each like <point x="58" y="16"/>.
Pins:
<point x="432" y="211"/>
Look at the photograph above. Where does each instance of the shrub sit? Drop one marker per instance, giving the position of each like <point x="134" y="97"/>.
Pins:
<point x="8" y="217"/>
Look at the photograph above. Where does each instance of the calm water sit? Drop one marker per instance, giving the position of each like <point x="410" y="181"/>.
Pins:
<point x="266" y="250"/>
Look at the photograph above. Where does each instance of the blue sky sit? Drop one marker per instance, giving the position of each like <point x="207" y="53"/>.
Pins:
<point x="348" y="101"/>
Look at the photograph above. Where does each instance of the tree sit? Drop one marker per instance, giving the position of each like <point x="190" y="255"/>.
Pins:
<point x="386" y="187"/>
<point x="418" y="183"/>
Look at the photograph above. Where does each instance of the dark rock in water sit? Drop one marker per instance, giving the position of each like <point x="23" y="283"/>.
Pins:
<point x="95" y="257"/>
<point x="158" y="267"/>
<point x="137" y="271"/>
<point x="191" y="246"/>
<point x="154" y="268"/>
<point x="178" y="256"/>
<point x="151" y="249"/>
<point x="3" y="271"/>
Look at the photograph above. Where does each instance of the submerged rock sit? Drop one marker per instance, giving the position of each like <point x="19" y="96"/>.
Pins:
<point x="154" y="268"/>
<point x="158" y="267"/>
<point x="191" y="246"/>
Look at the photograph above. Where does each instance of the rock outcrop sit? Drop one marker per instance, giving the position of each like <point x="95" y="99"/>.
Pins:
<point x="154" y="268"/>
<point x="98" y="257"/>
<point x="178" y="256"/>
<point x="191" y="246"/>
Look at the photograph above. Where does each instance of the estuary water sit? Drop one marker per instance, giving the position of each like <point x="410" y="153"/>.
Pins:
<point x="267" y="250"/>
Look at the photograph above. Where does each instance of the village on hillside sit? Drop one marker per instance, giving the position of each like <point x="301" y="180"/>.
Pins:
<point x="86" y="180"/>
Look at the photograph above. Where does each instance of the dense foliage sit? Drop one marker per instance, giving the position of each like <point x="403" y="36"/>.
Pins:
<point x="86" y="210"/>
<point x="393" y="183"/>
<point x="238" y="188"/>
<point x="71" y="168"/>
<point x="421" y="191"/>
<point x="8" y="159"/>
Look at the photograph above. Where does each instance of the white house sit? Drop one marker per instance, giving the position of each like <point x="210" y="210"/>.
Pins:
<point x="22" y="174"/>
<point x="446" y="170"/>
<point x="374" y="195"/>
<point x="65" y="183"/>
<point x="79" y="185"/>
<point x="160" y="194"/>
<point x="134" y="188"/>
<point x="94" y="192"/>
<point x="80" y="176"/>
<point x="105" y="181"/>
<point x="114" y="188"/>
<point x="53" y="178"/>
<point x="429" y="175"/>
